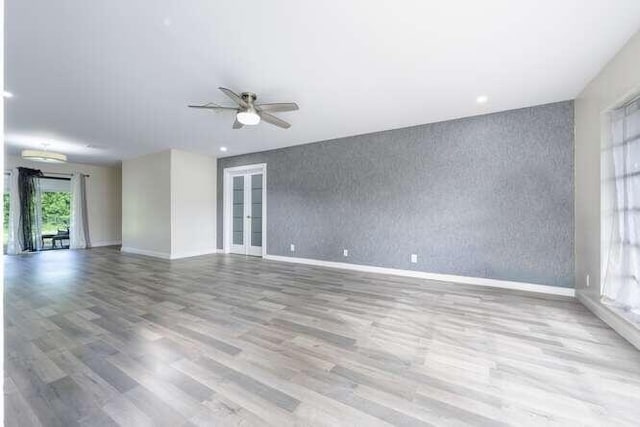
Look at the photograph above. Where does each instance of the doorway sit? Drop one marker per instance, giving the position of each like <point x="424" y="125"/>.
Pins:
<point x="55" y="212"/>
<point x="245" y="210"/>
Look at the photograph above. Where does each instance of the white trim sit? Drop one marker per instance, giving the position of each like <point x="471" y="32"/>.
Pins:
<point x="106" y="243"/>
<point x="155" y="254"/>
<point x="618" y="323"/>
<point x="190" y="254"/>
<point x="165" y="255"/>
<point x="247" y="168"/>
<point x="226" y="202"/>
<point x="504" y="284"/>
<point x="628" y="96"/>
<point x="172" y="205"/>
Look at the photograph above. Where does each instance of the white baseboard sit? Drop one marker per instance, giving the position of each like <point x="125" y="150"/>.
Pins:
<point x="190" y="254"/>
<point x="622" y="326"/>
<point x="166" y="255"/>
<point x="106" y="243"/>
<point x="163" y="255"/>
<point x="504" y="284"/>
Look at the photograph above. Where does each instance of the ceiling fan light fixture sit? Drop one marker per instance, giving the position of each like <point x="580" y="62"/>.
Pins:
<point x="250" y="114"/>
<point x="44" y="156"/>
<point x="248" y="117"/>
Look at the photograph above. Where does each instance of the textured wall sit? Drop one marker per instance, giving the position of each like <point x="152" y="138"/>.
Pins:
<point x="488" y="196"/>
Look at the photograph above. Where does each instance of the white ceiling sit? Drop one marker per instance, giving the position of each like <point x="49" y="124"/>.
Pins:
<point x="110" y="80"/>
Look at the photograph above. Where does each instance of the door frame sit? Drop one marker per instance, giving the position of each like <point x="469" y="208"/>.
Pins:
<point x="227" y="181"/>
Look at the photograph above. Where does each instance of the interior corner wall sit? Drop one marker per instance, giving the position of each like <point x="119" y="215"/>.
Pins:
<point x="104" y="196"/>
<point x="193" y="201"/>
<point x="486" y="197"/>
<point x="169" y="204"/>
<point x="146" y="205"/>
<point x="618" y="81"/>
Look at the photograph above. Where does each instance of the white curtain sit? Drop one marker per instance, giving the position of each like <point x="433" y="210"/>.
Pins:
<point x="78" y="228"/>
<point x="622" y="276"/>
<point x="15" y="232"/>
<point x="37" y="226"/>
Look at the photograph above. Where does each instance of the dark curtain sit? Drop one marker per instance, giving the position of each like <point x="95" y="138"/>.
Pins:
<point x="27" y="182"/>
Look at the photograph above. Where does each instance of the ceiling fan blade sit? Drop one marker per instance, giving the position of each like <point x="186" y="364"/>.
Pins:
<point x="237" y="124"/>
<point x="236" y="98"/>
<point x="273" y="120"/>
<point x="212" y="107"/>
<point x="277" y="107"/>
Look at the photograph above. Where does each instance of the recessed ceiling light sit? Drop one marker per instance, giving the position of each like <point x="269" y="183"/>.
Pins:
<point x="7" y="94"/>
<point x="223" y="148"/>
<point x="482" y="99"/>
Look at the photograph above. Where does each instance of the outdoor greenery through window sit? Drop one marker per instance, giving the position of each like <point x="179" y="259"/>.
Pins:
<point x="56" y="211"/>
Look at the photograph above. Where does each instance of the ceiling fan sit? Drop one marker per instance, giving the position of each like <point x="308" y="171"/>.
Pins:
<point x="249" y="113"/>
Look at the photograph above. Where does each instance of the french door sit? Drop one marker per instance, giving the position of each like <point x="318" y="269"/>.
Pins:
<point x="245" y="213"/>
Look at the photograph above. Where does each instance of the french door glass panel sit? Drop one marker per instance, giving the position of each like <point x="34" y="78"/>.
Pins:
<point x="238" y="210"/>
<point x="256" y="210"/>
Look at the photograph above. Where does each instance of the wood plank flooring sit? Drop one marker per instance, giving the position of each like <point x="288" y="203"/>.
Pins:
<point x="98" y="338"/>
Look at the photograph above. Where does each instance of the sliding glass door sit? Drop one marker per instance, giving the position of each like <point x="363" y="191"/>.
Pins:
<point x="37" y="211"/>
<point x="55" y="207"/>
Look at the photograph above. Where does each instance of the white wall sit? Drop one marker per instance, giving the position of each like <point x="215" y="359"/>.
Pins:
<point x="193" y="190"/>
<point x="618" y="81"/>
<point x="146" y="205"/>
<point x="104" y="202"/>
<point x="169" y="205"/>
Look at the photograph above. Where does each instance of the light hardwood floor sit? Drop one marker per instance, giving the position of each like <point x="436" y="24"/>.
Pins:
<point x="100" y="338"/>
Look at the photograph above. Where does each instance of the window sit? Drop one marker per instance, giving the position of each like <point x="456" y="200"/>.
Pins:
<point x="622" y="275"/>
<point x="56" y="211"/>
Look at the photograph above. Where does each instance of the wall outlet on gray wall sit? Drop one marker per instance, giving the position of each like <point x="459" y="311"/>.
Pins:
<point x="293" y="247"/>
<point x="414" y="258"/>
<point x="588" y="281"/>
<point x="345" y="252"/>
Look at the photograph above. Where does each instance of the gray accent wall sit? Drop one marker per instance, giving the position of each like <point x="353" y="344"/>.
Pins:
<point x="488" y="196"/>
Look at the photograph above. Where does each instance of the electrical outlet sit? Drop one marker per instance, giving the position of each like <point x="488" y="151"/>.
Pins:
<point x="345" y="252"/>
<point x="588" y="284"/>
<point x="414" y="258"/>
<point x="293" y="247"/>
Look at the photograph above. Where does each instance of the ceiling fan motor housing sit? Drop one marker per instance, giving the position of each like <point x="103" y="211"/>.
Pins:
<point x="249" y="97"/>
